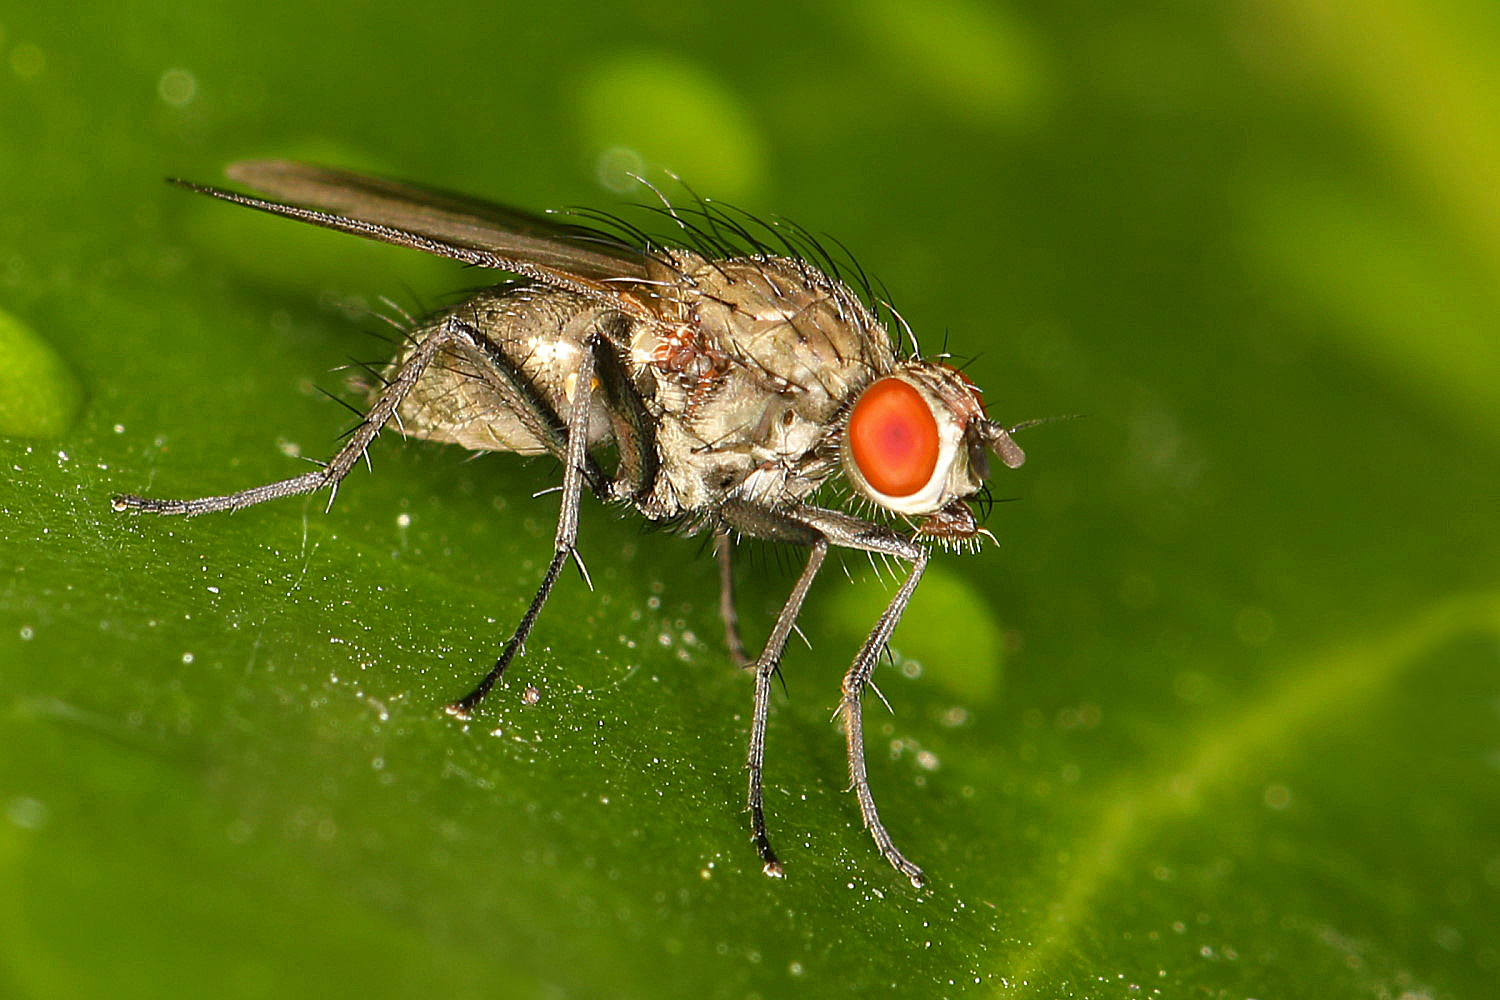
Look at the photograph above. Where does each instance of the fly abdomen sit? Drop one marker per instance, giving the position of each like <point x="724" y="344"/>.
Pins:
<point x="481" y="401"/>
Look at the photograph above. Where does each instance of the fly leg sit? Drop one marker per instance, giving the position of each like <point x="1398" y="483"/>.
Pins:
<point x="452" y="334"/>
<point x="576" y="466"/>
<point x="765" y="667"/>
<point x="760" y="522"/>
<point x="458" y="337"/>
<point x="844" y="530"/>
<point x="833" y="528"/>
<point x="630" y="421"/>
<point x="855" y="682"/>
<point x="731" y="617"/>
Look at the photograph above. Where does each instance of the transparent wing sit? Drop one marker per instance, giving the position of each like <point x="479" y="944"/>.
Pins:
<point x="468" y="229"/>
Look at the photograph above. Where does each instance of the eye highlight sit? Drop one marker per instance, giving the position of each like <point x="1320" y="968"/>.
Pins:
<point x="893" y="438"/>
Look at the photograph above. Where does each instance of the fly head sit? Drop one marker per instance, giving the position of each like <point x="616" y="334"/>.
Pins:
<point x="917" y="443"/>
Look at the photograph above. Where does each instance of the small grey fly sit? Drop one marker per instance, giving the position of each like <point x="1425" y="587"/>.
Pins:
<point x="730" y="381"/>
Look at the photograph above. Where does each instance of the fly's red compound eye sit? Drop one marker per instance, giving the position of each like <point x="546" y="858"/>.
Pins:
<point x="893" y="437"/>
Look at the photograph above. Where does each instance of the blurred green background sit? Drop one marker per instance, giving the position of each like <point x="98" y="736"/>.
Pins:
<point x="1219" y="717"/>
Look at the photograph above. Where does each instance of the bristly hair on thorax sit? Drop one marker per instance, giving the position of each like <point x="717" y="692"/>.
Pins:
<point x="718" y="230"/>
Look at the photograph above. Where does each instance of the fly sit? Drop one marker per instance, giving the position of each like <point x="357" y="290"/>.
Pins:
<point x="729" y="382"/>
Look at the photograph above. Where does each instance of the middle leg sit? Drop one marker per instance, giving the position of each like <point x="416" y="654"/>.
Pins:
<point x="723" y="554"/>
<point x="575" y="467"/>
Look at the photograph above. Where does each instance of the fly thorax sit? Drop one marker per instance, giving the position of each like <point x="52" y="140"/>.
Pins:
<point x="793" y="330"/>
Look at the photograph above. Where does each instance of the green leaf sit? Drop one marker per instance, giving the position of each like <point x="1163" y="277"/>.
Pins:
<point x="1219" y="715"/>
<point x="39" y="397"/>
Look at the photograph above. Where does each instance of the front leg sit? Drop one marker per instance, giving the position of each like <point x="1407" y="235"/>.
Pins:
<point x="819" y="529"/>
<point x="765" y="668"/>
<point x="850" y="532"/>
